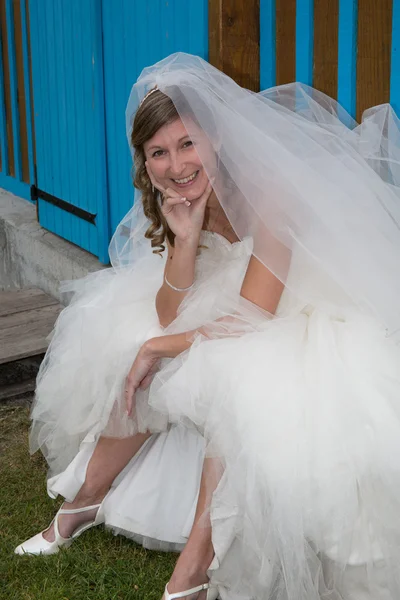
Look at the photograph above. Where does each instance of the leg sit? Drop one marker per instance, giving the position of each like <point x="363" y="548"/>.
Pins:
<point x="110" y="456"/>
<point x="194" y="561"/>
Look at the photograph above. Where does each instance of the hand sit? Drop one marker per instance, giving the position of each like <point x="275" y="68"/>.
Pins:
<point x="140" y="375"/>
<point x="185" y="218"/>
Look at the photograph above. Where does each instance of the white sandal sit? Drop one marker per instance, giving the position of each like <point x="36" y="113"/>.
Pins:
<point x="37" y="545"/>
<point x="212" y="592"/>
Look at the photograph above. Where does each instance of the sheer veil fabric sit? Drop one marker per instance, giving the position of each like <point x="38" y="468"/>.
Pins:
<point x="297" y="409"/>
<point x="301" y="411"/>
<point x="304" y="180"/>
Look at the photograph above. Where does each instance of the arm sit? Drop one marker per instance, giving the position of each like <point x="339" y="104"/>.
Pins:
<point x="259" y="286"/>
<point x="185" y="218"/>
<point x="179" y="271"/>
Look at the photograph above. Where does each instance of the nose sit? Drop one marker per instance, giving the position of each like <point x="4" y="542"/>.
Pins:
<point x="177" y="165"/>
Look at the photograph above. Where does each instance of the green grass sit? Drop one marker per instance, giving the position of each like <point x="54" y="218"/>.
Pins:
<point x="98" y="566"/>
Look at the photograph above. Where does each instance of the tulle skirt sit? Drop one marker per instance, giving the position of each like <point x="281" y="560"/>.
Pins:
<point x="299" y="414"/>
<point x="304" y="418"/>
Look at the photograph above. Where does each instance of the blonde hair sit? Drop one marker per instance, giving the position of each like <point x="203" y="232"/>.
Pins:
<point x="154" y="112"/>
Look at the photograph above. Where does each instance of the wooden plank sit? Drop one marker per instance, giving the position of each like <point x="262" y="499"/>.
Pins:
<point x="13" y="88"/>
<point x="17" y="301"/>
<point x="19" y="59"/>
<point x="28" y="338"/>
<point x="326" y="16"/>
<point x="3" y="116"/>
<point x="25" y="317"/>
<point x="234" y="40"/>
<point x="285" y="41"/>
<point x="17" y="389"/>
<point x="373" y="56"/>
<point x="7" y="94"/>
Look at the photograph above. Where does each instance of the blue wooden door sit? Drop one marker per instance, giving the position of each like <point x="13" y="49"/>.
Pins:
<point x="86" y="55"/>
<point x="69" y="121"/>
<point x="138" y="33"/>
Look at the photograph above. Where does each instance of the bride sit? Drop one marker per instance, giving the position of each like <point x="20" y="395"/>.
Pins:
<point x="230" y="388"/>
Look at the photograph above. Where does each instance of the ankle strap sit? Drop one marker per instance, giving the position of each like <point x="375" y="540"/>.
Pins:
<point x="75" y="511"/>
<point x="199" y="588"/>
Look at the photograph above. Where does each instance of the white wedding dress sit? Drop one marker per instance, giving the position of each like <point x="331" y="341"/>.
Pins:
<point x="302" y="412"/>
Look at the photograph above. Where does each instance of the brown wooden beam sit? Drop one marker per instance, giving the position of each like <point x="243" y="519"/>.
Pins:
<point x="234" y="39"/>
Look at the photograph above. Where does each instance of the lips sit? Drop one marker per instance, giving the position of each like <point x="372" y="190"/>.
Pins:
<point x="186" y="180"/>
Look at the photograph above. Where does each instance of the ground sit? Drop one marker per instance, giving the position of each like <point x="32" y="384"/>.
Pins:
<point x="98" y="566"/>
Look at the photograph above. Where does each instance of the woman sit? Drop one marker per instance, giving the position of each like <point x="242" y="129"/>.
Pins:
<point x="278" y="418"/>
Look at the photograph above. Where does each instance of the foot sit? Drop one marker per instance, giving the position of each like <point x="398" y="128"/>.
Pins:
<point x="181" y="581"/>
<point x="67" y="524"/>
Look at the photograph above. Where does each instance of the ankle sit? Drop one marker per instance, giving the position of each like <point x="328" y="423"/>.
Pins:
<point x="190" y="573"/>
<point x="181" y="579"/>
<point x="88" y="496"/>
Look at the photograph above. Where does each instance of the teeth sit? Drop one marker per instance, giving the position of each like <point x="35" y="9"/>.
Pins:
<point x="186" y="179"/>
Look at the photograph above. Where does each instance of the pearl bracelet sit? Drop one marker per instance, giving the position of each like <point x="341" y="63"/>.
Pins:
<point x="176" y="288"/>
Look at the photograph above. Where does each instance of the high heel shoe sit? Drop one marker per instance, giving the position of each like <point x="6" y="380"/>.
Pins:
<point x="212" y="592"/>
<point x="38" y="545"/>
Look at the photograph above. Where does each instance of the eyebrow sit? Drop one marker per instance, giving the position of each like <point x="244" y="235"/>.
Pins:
<point x="180" y="140"/>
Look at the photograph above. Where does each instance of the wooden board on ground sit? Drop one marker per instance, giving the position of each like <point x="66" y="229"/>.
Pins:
<point x="26" y="319"/>
<point x="17" y="301"/>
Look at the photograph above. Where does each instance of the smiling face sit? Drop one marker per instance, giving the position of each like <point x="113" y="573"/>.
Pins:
<point x="174" y="161"/>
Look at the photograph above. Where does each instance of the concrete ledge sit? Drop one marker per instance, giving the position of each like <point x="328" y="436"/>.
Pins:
<point x="31" y="256"/>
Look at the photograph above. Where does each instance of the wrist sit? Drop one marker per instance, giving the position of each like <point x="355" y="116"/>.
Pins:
<point x="190" y="242"/>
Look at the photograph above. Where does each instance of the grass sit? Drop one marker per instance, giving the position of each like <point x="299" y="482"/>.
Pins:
<point x="98" y="566"/>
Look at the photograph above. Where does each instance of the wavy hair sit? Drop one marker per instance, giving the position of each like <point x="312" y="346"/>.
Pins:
<point x="156" y="110"/>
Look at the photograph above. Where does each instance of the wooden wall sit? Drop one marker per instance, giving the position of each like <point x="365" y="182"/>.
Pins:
<point x="344" y="48"/>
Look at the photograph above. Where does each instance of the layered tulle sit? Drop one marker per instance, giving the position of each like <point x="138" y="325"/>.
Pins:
<point x="300" y="414"/>
<point x="304" y="416"/>
<point x="81" y="382"/>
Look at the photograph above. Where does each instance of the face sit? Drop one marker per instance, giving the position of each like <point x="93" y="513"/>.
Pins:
<point x="173" y="158"/>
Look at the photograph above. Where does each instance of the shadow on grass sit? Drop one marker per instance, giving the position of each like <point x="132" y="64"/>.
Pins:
<point x="98" y="566"/>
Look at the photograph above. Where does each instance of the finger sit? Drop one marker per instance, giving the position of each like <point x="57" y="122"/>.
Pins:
<point x="174" y="201"/>
<point x="201" y="203"/>
<point x="170" y="193"/>
<point x="208" y="191"/>
<point x="129" y="395"/>
<point x="144" y="384"/>
<point x="153" y="180"/>
<point x="150" y="375"/>
<point x="168" y="206"/>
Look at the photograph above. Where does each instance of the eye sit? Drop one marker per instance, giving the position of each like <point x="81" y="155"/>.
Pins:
<point x="188" y="144"/>
<point x="157" y="153"/>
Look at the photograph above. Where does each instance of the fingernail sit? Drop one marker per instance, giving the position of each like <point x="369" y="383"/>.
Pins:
<point x="183" y="198"/>
<point x="188" y="203"/>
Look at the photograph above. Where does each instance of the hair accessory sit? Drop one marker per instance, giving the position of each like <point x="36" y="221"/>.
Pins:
<point x="154" y="89"/>
<point x="176" y="288"/>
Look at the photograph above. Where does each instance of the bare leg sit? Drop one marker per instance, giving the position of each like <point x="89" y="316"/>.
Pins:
<point x="110" y="456"/>
<point x="194" y="561"/>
